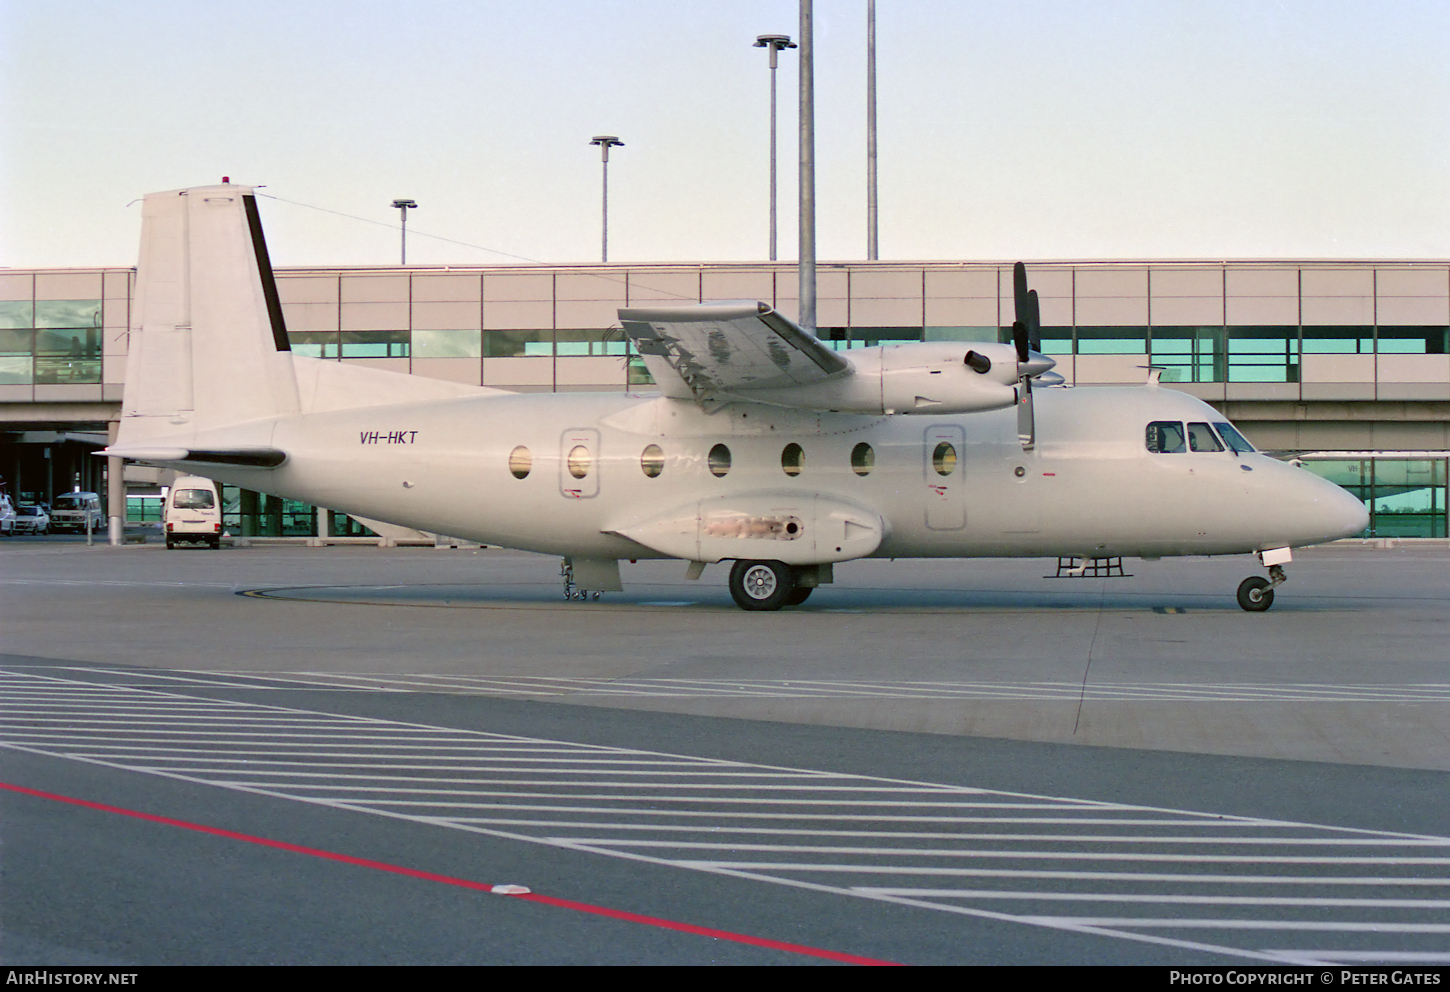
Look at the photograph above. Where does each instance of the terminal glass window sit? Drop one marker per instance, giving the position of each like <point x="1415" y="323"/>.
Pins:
<point x="1165" y="437"/>
<point x="375" y="344"/>
<point x="17" y="356"/>
<point x="1338" y="340"/>
<point x="1406" y="497"/>
<point x="1263" y="354"/>
<point x="315" y="344"/>
<point x="518" y="344"/>
<point x="867" y="337"/>
<point x="590" y="341"/>
<point x="1112" y="340"/>
<point x="447" y="344"/>
<point x="964" y="334"/>
<point x="1189" y="354"/>
<point x="1412" y="340"/>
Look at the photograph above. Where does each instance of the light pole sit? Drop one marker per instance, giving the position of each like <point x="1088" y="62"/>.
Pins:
<point x="807" y="173"/>
<point x="605" y="142"/>
<point x="871" y="243"/>
<point x="774" y="43"/>
<point x="404" y="205"/>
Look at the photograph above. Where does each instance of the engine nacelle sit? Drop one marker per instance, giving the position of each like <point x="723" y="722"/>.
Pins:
<point x="929" y="378"/>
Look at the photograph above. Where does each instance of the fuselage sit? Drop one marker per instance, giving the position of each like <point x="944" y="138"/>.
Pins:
<point x="598" y="462"/>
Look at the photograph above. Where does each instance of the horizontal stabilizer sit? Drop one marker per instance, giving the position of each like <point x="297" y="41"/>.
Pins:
<point x="249" y="457"/>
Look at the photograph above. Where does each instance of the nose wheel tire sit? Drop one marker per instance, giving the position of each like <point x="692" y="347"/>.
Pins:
<point x="761" y="585"/>
<point x="1256" y="594"/>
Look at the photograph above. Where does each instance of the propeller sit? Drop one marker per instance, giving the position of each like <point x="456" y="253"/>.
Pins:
<point x="1031" y="363"/>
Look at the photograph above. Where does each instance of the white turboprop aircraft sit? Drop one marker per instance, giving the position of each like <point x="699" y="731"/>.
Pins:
<point x="766" y="448"/>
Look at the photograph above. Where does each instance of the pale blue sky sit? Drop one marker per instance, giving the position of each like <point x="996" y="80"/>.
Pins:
<point x="1048" y="129"/>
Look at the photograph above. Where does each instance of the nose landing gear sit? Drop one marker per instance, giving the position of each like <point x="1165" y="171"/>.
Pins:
<point x="1256" y="593"/>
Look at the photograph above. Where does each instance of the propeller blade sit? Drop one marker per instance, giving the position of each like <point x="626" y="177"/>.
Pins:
<point x="1026" y="422"/>
<point x="1033" y="321"/>
<point x="1019" y="292"/>
<point x="1020" y="339"/>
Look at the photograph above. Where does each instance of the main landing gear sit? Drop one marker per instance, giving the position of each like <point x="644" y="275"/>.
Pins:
<point x="768" y="585"/>
<point x="1256" y="593"/>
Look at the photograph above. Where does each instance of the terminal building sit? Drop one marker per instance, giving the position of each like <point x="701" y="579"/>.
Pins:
<point x="1343" y="364"/>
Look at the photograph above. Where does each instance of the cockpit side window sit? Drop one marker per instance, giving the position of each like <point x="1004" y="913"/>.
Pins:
<point x="1237" y="443"/>
<point x="1202" y="438"/>
<point x="1165" y="437"/>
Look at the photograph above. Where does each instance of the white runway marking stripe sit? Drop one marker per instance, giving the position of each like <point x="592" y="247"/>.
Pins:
<point x="929" y="843"/>
<point x="802" y="688"/>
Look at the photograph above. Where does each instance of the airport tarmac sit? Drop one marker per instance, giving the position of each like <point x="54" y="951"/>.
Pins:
<point x="1295" y="757"/>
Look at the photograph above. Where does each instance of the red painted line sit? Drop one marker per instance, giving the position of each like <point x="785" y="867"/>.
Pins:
<point x="582" y="907"/>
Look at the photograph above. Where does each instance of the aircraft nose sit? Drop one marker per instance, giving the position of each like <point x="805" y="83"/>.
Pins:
<point x="1341" y="513"/>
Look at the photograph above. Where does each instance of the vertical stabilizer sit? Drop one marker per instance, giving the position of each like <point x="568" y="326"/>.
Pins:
<point x="208" y="343"/>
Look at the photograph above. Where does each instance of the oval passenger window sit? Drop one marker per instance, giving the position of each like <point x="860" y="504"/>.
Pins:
<point x="719" y="460"/>
<point x="652" y="461"/>
<point x="520" y="461"/>
<point x="944" y="459"/>
<point x="863" y="459"/>
<point x="579" y="461"/>
<point x="792" y="459"/>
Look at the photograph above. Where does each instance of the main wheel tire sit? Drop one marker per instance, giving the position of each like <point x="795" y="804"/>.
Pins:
<point x="1255" y="594"/>
<point x="799" y="595"/>
<point x="761" y="585"/>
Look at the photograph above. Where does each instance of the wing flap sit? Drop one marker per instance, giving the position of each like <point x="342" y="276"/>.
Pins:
<point x="716" y="348"/>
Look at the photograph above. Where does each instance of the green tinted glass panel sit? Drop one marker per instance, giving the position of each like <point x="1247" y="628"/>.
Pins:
<point x="512" y="344"/>
<point x="70" y="342"/>
<point x="590" y="341"/>
<point x="16" y="370"/>
<point x="314" y="344"/>
<point x="447" y="344"/>
<point x="1338" y="340"/>
<point x="16" y="341"/>
<point x="960" y="334"/>
<point x="17" y="313"/>
<point x="638" y="374"/>
<point x="67" y="371"/>
<point x="374" y="344"/>
<point x="68" y="313"/>
<point x="866" y="337"/>
<point x="1263" y="354"/>
<point x="1189" y="354"/>
<point x="1412" y="340"/>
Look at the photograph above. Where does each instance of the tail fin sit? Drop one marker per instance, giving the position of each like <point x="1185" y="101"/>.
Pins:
<point x="208" y="344"/>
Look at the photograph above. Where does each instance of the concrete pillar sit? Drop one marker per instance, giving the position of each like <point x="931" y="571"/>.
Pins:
<point x="247" y="507"/>
<point x="272" y="516"/>
<point x="115" y="491"/>
<point x="324" y="522"/>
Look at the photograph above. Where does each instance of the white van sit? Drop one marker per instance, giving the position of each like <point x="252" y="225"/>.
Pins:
<point x="73" y="511"/>
<point x="193" y="512"/>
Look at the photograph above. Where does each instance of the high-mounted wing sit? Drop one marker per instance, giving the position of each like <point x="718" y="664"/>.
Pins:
<point x="704" y="351"/>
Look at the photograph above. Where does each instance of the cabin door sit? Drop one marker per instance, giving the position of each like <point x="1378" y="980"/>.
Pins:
<point x="579" y="463"/>
<point x="944" y="469"/>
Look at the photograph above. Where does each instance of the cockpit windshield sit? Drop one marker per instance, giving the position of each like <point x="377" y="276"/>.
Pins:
<point x="1236" y="441"/>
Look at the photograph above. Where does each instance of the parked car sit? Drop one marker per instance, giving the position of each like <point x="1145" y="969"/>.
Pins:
<point x="7" y="515"/>
<point x="193" y="513"/>
<point x="31" y="518"/>
<point x="70" y="511"/>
